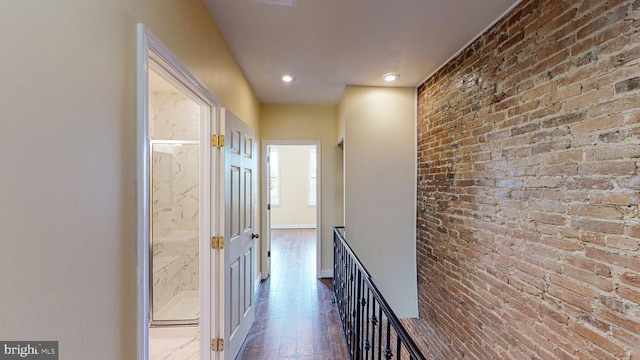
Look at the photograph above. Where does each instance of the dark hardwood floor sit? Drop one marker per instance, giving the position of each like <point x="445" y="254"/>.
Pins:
<point x="295" y="318"/>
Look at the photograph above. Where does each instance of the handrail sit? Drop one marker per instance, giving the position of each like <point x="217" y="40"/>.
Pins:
<point x="357" y="297"/>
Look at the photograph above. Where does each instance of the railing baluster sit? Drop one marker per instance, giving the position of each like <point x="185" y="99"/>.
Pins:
<point x="367" y="344"/>
<point x="363" y="311"/>
<point x="358" y="314"/>
<point x="374" y="327"/>
<point x="380" y="333"/>
<point x="347" y="313"/>
<point x="387" y="349"/>
<point x="353" y="305"/>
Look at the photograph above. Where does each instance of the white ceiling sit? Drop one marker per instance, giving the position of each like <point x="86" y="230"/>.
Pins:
<point x="328" y="44"/>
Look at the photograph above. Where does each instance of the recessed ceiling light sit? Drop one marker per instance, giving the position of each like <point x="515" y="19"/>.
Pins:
<point x="389" y="77"/>
<point x="288" y="78"/>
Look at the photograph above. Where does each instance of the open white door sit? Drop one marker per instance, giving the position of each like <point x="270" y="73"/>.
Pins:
<point x="239" y="273"/>
<point x="266" y="238"/>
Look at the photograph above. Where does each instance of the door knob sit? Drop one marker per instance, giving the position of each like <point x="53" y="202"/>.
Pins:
<point x="255" y="236"/>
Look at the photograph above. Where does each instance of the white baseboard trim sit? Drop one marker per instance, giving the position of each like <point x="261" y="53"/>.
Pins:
<point x="299" y="226"/>
<point x="326" y="273"/>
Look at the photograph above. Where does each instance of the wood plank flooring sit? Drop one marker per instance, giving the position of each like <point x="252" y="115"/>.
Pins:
<point x="295" y="318"/>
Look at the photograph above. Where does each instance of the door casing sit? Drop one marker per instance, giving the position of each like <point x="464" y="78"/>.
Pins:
<point x="150" y="49"/>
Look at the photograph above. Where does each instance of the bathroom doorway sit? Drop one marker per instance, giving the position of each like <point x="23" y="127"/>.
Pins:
<point x="178" y="176"/>
<point x="174" y="138"/>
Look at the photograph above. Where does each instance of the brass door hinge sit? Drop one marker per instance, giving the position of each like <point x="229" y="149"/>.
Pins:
<point x="217" y="344"/>
<point x="217" y="140"/>
<point x="217" y="242"/>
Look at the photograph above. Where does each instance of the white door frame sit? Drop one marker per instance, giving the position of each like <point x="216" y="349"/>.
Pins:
<point x="150" y="49"/>
<point x="265" y="244"/>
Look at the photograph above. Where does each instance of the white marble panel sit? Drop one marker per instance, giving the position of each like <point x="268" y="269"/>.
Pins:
<point x="185" y="305"/>
<point x="176" y="270"/>
<point x="175" y="185"/>
<point x="174" y="343"/>
<point x="173" y="116"/>
<point x="175" y="205"/>
<point x="160" y="262"/>
<point x="165" y="285"/>
<point x="189" y="276"/>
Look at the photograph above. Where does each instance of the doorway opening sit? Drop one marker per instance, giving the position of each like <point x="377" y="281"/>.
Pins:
<point x="176" y="173"/>
<point x="291" y="195"/>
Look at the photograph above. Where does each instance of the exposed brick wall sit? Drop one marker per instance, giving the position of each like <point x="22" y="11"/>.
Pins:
<point x="528" y="188"/>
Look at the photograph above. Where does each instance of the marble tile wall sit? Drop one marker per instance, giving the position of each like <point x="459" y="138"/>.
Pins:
<point x="175" y="187"/>
<point x="175" y="267"/>
<point x="173" y="117"/>
<point x="174" y="343"/>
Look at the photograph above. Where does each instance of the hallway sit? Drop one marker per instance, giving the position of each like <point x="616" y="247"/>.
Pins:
<point x="295" y="318"/>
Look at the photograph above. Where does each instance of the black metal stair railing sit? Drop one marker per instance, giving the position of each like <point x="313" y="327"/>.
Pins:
<point x="370" y="327"/>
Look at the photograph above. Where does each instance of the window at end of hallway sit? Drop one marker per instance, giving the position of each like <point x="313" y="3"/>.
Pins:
<point x="274" y="176"/>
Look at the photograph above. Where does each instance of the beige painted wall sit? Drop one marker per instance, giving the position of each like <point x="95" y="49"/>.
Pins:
<point x="313" y="122"/>
<point x="380" y="188"/>
<point x="341" y="119"/>
<point x="68" y="189"/>
<point x="294" y="210"/>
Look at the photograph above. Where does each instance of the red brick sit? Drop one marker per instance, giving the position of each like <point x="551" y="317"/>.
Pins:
<point x="589" y="278"/>
<point x="558" y="170"/>
<point x="528" y="242"/>
<point x="601" y="212"/>
<point x="594" y="322"/>
<point x="571" y="298"/>
<point x="631" y="279"/>
<point x="593" y="238"/>
<point x="614" y="107"/>
<point x="614" y="304"/>
<point x="599" y="340"/>
<point x="572" y="286"/>
<point x="615" y="198"/>
<point x="599" y="226"/>
<point x="623" y="243"/>
<point x="597" y="124"/>
<point x="628" y="338"/>
<point x="614" y="152"/>
<point x="630" y="323"/>
<point x="603" y="22"/>
<point x="608" y="79"/>
<point x="565" y="157"/>
<point x="582" y="74"/>
<point x="608" y="168"/>
<point x="622" y="260"/>
<point x="578" y="183"/>
<point x="562" y="243"/>
<point x="591" y="265"/>
<point x="592" y="41"/>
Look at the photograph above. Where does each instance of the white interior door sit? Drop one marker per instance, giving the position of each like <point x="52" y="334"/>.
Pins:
<point x="240" y="167"/>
